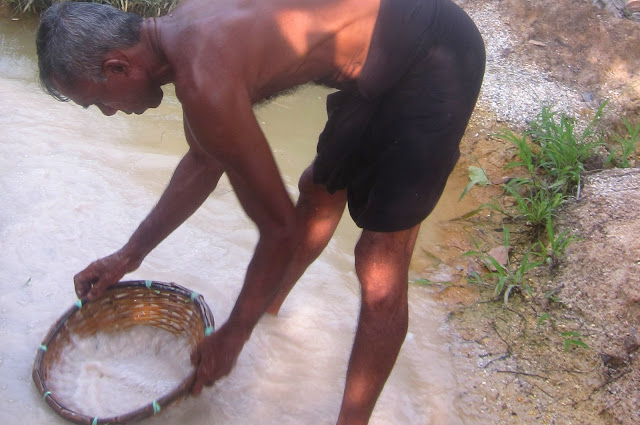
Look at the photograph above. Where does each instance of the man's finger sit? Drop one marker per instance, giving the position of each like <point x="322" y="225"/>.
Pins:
<point x="97" y="289"/>
<point x="82" y="283"/>
<point x="197" y="386"/>
<point x="195" y="357"/>
<point x="93" y="293"/>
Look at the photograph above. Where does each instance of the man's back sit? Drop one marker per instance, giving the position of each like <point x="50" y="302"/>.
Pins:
<point x="268" y="45"/>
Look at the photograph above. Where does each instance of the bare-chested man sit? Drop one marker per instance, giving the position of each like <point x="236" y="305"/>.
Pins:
<point x="408" y="74"/>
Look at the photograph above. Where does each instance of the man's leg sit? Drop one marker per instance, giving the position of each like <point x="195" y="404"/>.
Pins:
<point x="382" y="265"/>
<point x="318" y="213"/>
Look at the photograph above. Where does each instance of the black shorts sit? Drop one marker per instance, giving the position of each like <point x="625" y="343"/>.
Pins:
<point x="392" y="138"/>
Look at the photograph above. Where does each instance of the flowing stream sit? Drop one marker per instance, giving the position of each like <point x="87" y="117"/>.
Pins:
<point x="74" y="184"/>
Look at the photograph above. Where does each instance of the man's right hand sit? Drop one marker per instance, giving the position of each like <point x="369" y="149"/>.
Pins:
<point x="91" y="282"/>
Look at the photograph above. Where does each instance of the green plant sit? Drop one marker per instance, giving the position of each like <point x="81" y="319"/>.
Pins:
<point x="505" y="278"/>
<point x="573" y="338"/>
<point x="628" y="146"/>
<point x="427" y="282"/>
<point x="570" y="338"/>
<point x="551" y="156"/>
<point x="556" y="244"/>
<point x="142" y="7"/>
<point x="476" y="176"/>
<point x="527" y="159"/>
<point x="543" y="318"/>
<point x="535" y="205"/>
<point x="24" y="6"/>
<point x="562" y="152"/>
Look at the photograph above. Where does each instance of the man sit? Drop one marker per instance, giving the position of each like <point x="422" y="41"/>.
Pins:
<point x="409" y="73"/>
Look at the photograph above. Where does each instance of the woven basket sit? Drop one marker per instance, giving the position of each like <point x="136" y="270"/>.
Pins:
<point x="165" y="305"/>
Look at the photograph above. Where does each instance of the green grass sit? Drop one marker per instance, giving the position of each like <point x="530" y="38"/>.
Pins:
<point x="144" y="8"/>
<point x="506" y="278"/>
<point x="550" y="159"/>
<point x="625" y="155"/>
<point x="573" y="338"/>
<point x="534" y="206"/>
<point x="555" y="245"/>
<point x="562" y="150"/>
<point x="552" y="152"/>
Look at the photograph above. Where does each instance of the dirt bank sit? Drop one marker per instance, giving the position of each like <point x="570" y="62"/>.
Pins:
<point x="514" y="366"/>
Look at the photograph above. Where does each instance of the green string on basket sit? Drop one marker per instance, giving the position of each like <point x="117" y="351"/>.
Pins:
<point x="43" y="347"/>
<point x="194" y="295"/>
<point x="46" y="394"/>
<point x="148" y="283"/>
<point x="95" y="421"/>
<point x="156" y="407"/>
<point x="208" y="331"/>
<point x="79" y="303"/>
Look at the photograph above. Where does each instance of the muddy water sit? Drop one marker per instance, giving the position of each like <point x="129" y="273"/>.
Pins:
<point x="74" y="185"/>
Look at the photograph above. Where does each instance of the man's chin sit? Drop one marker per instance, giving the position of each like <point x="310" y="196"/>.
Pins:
<point x="158" y="100"/>
<point x="152" y="105"/>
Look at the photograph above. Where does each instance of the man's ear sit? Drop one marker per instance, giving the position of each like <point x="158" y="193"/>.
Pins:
<point x="116" y="64"/>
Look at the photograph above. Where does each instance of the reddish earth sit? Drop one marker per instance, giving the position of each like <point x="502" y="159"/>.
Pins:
<point x="512" y="360"/>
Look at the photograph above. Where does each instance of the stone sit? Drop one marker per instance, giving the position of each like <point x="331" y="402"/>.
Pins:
<point x="633" y="6"/>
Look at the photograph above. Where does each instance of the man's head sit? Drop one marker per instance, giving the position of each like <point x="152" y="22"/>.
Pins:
<point x="92" y="54"/>
<point x="73" y="39"/>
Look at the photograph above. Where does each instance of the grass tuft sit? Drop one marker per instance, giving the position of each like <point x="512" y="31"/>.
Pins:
<point x="146" y="8"/>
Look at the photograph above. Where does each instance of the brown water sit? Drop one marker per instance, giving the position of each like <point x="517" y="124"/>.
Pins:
<point x="74" y="185"/>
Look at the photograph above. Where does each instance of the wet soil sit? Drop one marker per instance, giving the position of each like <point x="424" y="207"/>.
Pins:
<point x="568" y="352"/>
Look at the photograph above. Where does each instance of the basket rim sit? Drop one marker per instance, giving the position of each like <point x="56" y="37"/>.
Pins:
<point x="151" y="408"/>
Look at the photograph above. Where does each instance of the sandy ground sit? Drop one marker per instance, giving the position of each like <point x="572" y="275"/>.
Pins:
<point x="513" y="366"/>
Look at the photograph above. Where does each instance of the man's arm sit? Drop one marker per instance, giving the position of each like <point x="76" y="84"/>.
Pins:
<point x="224" y="125"/>
<point x="195" y="177"/>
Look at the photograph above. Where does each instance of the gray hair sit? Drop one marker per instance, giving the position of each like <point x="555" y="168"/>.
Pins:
<point x="73" y="38"/>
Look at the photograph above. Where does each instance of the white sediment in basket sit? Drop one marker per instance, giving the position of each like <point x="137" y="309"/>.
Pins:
<point x="109" y="374"/>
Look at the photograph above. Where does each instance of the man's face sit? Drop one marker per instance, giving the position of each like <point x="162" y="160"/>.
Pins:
<point x="119" y="92"/>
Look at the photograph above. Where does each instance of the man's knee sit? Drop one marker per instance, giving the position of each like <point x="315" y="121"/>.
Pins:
<point x="382" y="275"/>
<point x="382" y="266"/>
